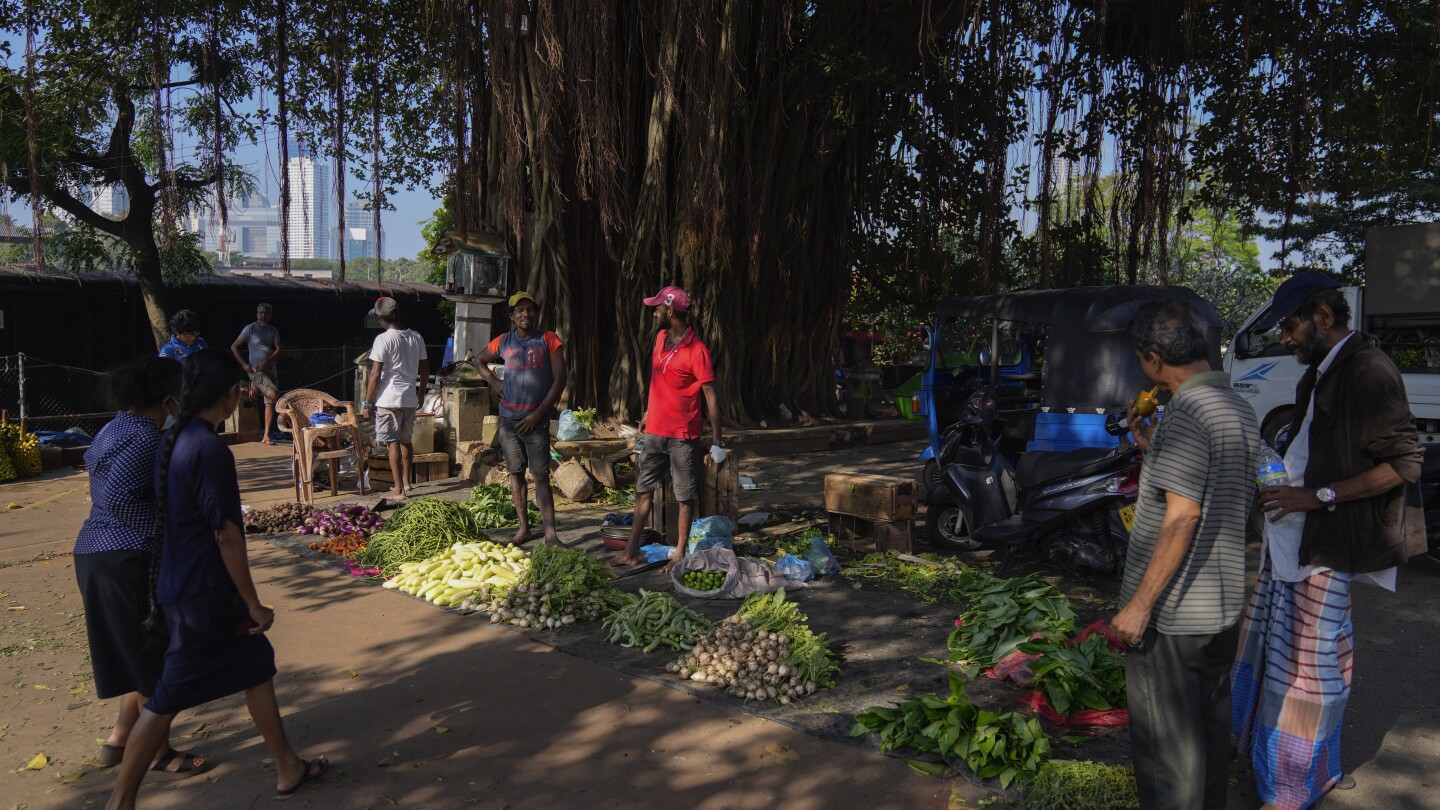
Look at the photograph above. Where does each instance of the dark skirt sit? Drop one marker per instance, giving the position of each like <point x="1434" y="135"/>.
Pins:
<point x="114" y="586"/>
<point x="211" y="655"/>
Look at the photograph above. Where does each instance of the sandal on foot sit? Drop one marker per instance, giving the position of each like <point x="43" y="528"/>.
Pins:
<point x="184" y="766"/>
<point x="314" y="769"/>
<point x="111" y="755"/>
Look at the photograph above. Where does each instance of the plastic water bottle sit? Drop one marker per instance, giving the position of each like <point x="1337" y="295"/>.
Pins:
<point x="1272" y="468"/>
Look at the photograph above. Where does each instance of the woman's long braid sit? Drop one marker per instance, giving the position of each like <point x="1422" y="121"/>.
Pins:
<point x="208" y="375"/>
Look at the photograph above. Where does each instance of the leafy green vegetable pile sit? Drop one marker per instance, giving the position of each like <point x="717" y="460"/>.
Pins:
<point x="493" y="507"/>
<point x="940" y="579"/>
<point x="1070" y="785"/>
<point x="1088" y="675"/>
<point x="561" y="583"/>
<point x="420" y="529"/>
<point x="1003" y="746"/>
<point x="1004" y="614"/>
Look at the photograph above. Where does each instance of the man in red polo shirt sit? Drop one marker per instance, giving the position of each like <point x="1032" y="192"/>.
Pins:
<point x="680" y="371"/>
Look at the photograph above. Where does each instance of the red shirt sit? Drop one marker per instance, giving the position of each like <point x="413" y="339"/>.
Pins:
<point x="676" y="375"/>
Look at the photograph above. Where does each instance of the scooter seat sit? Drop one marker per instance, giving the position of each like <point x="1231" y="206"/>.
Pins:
<point x="1039" y="466"/>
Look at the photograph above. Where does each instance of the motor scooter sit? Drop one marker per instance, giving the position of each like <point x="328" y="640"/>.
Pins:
<point x="1075" y="508"/>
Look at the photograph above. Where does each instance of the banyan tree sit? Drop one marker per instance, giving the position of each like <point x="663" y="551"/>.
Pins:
<point x="770" y="156"/>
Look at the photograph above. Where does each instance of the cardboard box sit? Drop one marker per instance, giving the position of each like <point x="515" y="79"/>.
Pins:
<point x="873" y="497"/>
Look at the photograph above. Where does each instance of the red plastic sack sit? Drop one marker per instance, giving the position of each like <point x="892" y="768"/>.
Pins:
<point x="1083" y="718"/>
<point x="1016" y="667"/>
<point x="1103" y="628"/>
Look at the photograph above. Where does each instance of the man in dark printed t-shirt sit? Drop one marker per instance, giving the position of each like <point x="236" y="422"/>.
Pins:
<point x="534" y="377"/>
<point x="1184" y="584"/>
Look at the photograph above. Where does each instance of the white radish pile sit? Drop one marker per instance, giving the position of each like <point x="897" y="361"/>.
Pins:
<point x="747" y="662"/>
<point x="450" y="578"/>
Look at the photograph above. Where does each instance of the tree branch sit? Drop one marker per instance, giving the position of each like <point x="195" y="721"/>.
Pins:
<point x="186" y="182"/>
<point x="143" y="88"/>
<point x="62" y="199"/>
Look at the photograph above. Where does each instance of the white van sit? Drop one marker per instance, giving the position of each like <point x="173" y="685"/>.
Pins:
<point x="1402" y="309"/>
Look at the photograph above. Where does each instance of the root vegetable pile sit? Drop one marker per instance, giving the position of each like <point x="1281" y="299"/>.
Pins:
<point x="766" y="651"/>
<point x="561" y="587"/>
<point x="654" y="619"/>
<point x="455" y="576"/>
<point x="345" y="518"/>
<point x="283" y="517"/>
<point x="345" y="545"/>
<point x="417" y="531"/>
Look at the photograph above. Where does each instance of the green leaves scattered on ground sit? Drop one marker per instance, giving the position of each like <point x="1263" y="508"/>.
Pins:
<point x="1005" y="746"/>
<point x="493" y="507"/>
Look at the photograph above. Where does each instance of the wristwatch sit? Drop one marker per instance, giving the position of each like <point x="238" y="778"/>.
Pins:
<point x="1326" y="495"/>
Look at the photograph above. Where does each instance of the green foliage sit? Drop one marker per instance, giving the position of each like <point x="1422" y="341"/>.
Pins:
<point x="493" y="507"/>
<point x="1070" y="785"/>
<point x="1005" y="746"/>
<point x="432" y="230"/>
<point x="1005" y="614"/>
<point x="1087" y="675"/>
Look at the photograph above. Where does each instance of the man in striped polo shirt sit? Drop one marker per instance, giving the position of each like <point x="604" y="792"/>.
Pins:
<point x="1184" y="585"/>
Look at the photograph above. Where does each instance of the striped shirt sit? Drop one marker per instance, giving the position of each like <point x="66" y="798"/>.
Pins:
<point x="1206" y="449"/>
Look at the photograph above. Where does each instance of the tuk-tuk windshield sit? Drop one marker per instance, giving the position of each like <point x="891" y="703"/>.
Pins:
<point x="961" y="340"/>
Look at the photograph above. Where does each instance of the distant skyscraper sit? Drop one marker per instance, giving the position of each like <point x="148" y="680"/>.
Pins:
<point x="109" y="201"/>
<point x="310" y="218"/>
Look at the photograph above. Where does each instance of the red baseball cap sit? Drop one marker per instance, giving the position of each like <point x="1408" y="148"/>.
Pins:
<point x="672" y="297"/>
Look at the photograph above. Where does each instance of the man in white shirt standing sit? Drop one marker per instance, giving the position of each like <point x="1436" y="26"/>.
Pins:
<point x="396" y="358"/>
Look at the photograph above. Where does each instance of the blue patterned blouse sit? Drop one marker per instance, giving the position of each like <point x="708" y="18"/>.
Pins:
<point x="122" y="487"/>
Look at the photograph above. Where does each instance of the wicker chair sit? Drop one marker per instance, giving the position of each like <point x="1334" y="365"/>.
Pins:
<point x="314" y="443"/>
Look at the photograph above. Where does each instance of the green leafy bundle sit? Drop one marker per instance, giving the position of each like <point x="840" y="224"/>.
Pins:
<point x="1002" y="746"/>
<point x="810" y="655"/>
<point x="1006" y="614"/>
<point x="1088" y="675"/>
<point x="494" y="508"/>
<point x="1069" y="785"/>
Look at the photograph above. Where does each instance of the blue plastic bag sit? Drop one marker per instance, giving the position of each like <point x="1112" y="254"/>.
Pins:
<point x="711" y="532"/>
<point x="794" y="568"/>
<point x="321" y="419"/>
<point x="655" y="552"/>
<point x="570" y="429"/>
<point x="821" y="558"/>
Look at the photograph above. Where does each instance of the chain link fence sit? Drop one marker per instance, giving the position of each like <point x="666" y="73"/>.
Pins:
<point x="53" y="396"/>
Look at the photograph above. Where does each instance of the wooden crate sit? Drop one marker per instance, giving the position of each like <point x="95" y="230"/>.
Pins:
<point x="873" y="497"/>
<point x="719" y="495"/>
<point x="424" y="466"/>
<point x="865" y="536"/>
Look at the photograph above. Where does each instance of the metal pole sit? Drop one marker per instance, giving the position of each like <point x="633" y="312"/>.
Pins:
<point x="23" y="410"/>
<point x="994" y="351"/>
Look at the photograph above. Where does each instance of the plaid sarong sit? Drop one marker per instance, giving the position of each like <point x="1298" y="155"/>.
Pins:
<point x="1290" y="683"/>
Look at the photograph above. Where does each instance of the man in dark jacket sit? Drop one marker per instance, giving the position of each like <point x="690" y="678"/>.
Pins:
<point x="1352" y="514"/>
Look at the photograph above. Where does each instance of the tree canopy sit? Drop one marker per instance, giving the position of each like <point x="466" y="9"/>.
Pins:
<point x="771" y="157"/>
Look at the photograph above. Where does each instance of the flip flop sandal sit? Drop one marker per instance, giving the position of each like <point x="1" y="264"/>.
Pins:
<point x="628" y="519"/>
<point x="610" y="520"/>
<point x="310" y="775"/>
<point x="186" y="768"/>
<point x="111" y="755"/>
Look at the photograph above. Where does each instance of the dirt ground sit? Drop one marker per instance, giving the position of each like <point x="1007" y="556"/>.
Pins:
<point x="419" y="707"/>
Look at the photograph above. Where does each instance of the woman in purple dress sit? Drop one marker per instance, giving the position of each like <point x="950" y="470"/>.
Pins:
<point x="113" y="551"/>
<point x="200" y="583"/>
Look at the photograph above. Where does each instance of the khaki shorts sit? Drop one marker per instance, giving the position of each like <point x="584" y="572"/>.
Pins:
<point x="264" y="382"/>
<point x="394" y="425"/>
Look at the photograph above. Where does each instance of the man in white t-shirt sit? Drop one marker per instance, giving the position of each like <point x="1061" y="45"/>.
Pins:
<point x="397" y="357"/>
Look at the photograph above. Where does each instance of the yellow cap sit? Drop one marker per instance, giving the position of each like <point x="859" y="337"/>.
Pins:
<point x="522" y="296"/>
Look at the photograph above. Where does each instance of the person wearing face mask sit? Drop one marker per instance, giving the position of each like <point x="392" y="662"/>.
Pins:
<point x="113" y="551"/>
<point x="185" y="337"/>
<point x="1353" y="461"/>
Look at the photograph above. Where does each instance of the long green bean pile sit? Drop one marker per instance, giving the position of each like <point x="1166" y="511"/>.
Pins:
<point x="419" y="530"/>
<point x="652" y="619"/>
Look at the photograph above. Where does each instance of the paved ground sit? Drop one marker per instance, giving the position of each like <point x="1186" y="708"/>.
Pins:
<point x="370" y="679"/>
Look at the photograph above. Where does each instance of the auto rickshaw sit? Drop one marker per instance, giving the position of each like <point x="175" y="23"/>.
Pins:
<point x="1059" y="359"/>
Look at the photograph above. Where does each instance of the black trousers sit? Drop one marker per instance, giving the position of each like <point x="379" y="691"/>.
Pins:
<point x="1179" y="692"/>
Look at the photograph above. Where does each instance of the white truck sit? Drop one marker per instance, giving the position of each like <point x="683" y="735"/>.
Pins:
<point x="1399" y="305"/>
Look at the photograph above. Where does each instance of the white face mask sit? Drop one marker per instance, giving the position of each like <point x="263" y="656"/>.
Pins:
<point x="170" y="420"/>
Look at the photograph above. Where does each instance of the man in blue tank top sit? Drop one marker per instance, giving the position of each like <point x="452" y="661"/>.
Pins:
<point x="534" y="377"/>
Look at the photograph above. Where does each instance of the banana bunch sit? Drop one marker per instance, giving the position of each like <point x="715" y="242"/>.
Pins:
<point x="19" y="452"/>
